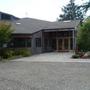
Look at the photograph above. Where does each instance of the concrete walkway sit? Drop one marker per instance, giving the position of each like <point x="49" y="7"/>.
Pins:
<point x="52" y="57"/>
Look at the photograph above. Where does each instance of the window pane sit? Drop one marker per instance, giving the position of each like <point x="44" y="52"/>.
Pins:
<point x="38" y="42"/>
<point x="28" y="42"/>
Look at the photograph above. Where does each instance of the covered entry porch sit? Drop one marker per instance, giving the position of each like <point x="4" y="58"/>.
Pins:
<point x="58" y="40"/>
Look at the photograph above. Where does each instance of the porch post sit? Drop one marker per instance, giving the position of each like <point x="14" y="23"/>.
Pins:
<point x="63" y="43"/>
<point x="73" y="39"/>
<point x="69" y="44"/>
<point x="56" y="44"/>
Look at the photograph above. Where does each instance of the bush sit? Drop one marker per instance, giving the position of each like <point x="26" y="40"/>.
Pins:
<point x="80" y="53"/>
<point x="83" y="36"/>
<point x="75" y="56"/>
<point x="23" y="52"/>
<point x="7" y="53"/>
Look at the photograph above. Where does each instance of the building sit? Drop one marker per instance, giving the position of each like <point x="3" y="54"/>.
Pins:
<point x="9" y="17"/>
<point x="43" y="36"/>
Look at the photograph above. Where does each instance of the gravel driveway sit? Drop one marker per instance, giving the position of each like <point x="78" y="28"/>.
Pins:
<point x="28" y="75"/>
<point x="53" y="57"/>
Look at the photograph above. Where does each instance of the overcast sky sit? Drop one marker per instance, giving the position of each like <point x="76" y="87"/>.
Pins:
<point x="41" y="9"/>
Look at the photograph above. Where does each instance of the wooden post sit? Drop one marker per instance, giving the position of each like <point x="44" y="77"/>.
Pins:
<point x="62" y="44"/>
<point x="69" y="44"/>
<point x="73" y="39"/>
<point x="57" y="45"/>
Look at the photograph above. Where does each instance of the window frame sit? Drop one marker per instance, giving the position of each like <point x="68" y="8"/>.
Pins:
<point x="38" y="42"/>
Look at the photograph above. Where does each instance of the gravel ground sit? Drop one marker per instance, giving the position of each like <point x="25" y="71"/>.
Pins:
<point x="44" y="76"/>
<point x="23" y="75"/>
<point x="52" y="57"/>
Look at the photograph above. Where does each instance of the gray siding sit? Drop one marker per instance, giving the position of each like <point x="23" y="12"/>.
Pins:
<point x="0" y="16"/>
<point x="35" y="49"/>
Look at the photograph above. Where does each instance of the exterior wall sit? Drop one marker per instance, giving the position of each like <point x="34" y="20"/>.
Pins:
<point x="35" y="49"/>
<point x="0" y="16"/>
<point x="45" y="47"/>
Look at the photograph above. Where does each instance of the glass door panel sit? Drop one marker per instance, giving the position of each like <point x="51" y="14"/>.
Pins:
<point x="60" y="41"/>
<point x="66" y="44"/>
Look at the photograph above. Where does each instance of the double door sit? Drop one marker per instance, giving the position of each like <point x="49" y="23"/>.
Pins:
<point x="63" y="44"/>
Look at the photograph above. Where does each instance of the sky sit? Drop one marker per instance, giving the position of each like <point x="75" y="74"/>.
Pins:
<point x="48" y="10"/>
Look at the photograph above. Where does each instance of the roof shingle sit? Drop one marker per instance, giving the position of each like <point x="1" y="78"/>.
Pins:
<point x="29" y="25"/>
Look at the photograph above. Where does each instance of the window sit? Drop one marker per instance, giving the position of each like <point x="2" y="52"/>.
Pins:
<point x="38" y="42"/>
<point x="21" y="42"/>
<point x="28" y="42"/>
<point x="5" y="17"/>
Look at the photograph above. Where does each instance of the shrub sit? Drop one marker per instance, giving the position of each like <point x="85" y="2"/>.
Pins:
<point x="75" y="56"/>
<point x="7" y="53"/>
<point x="23" y="52"/>
<point x="83" y="36"/>
<point x="80" y="53"/>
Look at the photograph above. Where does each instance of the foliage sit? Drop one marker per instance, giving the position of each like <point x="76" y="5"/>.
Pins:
<point x="23" y="52"/>
<point x="72" y="12"/>
<point x="83" y="36"/>
<point x="75" y="56"/>
<point x="14" y="53"/>
<point x="5" y="32"/>
<point x="7" y="53"/>
<point x="86" y="6"/>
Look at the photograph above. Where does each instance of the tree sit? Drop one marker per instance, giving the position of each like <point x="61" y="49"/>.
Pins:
<point x="83" y="36"/>
<point x="86" y="6"/>
<point x="5" y="33"/>
<point x="72" y="12"/>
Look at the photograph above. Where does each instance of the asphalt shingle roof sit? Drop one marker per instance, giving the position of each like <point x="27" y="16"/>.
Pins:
<point x="29" y="25"/>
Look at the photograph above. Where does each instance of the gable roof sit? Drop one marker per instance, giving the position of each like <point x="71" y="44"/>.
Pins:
<point x="29" y="25"/>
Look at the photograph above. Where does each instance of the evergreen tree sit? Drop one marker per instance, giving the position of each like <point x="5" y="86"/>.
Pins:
<point x="71" y="12"/>
<point x="86" y="6"/>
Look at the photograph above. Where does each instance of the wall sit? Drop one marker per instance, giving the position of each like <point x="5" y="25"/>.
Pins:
<point x="0" y="16"/>
<point x="36" y="50"/>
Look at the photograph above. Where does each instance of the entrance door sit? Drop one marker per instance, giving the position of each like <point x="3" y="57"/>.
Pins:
<point x="60" y="44"/>
<point x="63" y="44"/>
<point x="66" y="44"/>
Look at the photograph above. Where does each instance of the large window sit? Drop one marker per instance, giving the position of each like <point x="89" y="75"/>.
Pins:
<point x="38" y="42"/>
<point x="20" y="42"/>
